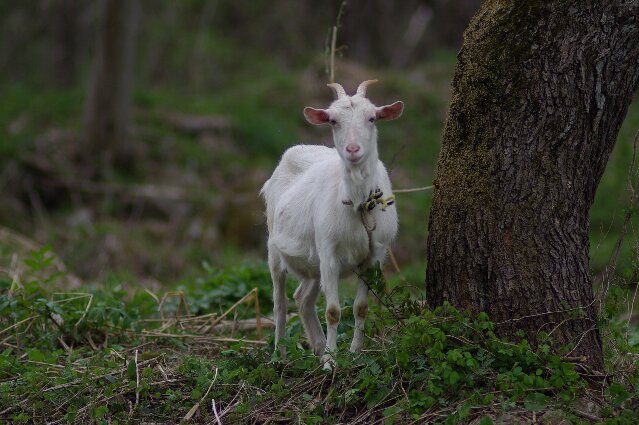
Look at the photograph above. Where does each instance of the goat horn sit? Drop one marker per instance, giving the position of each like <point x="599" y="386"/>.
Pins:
<point x="338" y="90"/>
<point x="361" y="90"/>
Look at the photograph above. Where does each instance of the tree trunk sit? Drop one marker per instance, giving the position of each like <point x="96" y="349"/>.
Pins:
<point x="539" y="93"/>
<point x="62" y="19"/>
<point x="108" y="108"/>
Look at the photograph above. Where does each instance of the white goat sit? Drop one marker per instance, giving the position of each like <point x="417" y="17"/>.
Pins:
<point x="322" y="220"/>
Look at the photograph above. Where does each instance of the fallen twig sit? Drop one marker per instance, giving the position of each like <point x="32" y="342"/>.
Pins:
<point x="217" y="417"/>
<point x="205" y="327"/>
<point x="137" y="380"/>
<point x="196" y="406"/>
<point x="200" y="337"/>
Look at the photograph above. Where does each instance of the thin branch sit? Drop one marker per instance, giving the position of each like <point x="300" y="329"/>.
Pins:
<point x="632" y="307"/>
<point x="217" y="416"/>
<point x="196" y="406"/>
<point x="333" y="47"/>
<point x="332" y="67"/>
<point x="86" y="310"/>
<point x="233" y="307"/>
<point x="137" y="380"/>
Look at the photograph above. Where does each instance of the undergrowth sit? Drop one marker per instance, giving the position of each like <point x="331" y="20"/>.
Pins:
<point x="113" y="356"/>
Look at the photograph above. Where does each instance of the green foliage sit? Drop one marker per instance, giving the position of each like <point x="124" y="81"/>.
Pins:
<point x="221" y="288"/>
<point x="24" y="111"/>
<point x="86" y="356"/>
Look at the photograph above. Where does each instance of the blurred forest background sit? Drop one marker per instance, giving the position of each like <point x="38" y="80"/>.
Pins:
<point x="135" y="135"/>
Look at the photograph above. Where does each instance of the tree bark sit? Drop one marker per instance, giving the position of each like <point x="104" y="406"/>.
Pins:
<point x="62" y="19"/>
<point x="539" y="94"/>
<point x="108" y="107"/>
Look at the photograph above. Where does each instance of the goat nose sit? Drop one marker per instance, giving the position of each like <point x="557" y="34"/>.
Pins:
<point x="352" y="148"/>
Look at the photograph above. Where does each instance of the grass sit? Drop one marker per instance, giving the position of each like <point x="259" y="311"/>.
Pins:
<point x="110" y="354"/>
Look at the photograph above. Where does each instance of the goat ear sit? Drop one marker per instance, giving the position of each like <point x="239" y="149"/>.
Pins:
<point x="390" y="112"/>
<point x="316" y="116"/>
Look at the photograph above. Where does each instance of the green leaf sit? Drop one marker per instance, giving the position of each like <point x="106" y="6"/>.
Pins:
<point x="36" y="355"/>
<point x="617" y="394"/>
<point x="390" y="414"/>
<point x="312" y="420"/>
<point x="487" y="399"/>
<point x="131" y="370"/>
<point x="99" y="412"/>
<point x="453" y="378"/>
<point x="485" y="420"/>
<point x="536" y="402"/>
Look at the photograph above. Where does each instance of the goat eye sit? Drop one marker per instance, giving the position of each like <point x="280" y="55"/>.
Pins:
<point x="333" y="122"/>
<point x="371" y="119"/>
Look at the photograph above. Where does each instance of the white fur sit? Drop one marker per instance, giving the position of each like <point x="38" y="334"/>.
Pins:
<point x="313" y="234"/>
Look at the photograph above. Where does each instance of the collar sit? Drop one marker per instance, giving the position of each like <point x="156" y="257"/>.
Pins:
<point x="374" y="198"/>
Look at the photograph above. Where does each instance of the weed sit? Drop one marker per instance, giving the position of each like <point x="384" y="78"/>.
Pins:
<point x="109" y="356"/>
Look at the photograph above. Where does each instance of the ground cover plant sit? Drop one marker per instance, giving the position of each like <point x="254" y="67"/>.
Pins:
<point x="195" y="354"/>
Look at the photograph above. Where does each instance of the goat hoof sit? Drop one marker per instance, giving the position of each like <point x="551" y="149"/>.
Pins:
<point x="329" y="362"/>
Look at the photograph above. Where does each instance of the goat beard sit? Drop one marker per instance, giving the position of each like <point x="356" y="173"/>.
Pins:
<point x="356" y="175"/>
